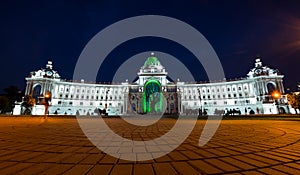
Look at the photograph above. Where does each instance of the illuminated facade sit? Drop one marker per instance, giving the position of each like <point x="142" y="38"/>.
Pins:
<point x="154" y="93"/>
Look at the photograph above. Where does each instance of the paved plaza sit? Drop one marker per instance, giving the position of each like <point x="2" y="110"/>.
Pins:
<point x="34" y="145"/>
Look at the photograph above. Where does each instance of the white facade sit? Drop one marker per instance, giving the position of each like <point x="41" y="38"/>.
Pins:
<point x="252" y="93"/>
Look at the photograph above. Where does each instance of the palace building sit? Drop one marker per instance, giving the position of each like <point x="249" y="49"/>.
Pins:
<point x="259" y="92"/>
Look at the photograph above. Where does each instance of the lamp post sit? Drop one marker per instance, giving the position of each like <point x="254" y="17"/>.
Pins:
<point x="276" y="95"/>
<point x="47" y="98"/>
<point x="106" y="97"/>
<point x="200" y="109"/>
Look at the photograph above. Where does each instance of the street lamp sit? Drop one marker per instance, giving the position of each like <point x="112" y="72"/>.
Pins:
<point x="47" y="98"/>
<point x="200" y="109"/>
<point x="276" y="95"/>
<point x="106" y="99"/>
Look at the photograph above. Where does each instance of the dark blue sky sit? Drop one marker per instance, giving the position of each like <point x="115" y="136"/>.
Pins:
<point x="33" y="32"/>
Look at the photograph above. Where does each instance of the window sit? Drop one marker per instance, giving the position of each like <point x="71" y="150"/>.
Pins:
<point x="228" y="89"/>
<point x="240" y="88"/>
<point x="225" y="102"/>
<point x="82" y="97"/>
<point x="77" y="90"/>
<point x="66" y="96"/>
<point x="91" y="103"/>
<point x="233" y="89"/>
<point x="81" y="103"/>
<point x="87" y="97"/>
<point x="77" y="96"/>
<point x="234" y="95"/>
<point x="71" y="96"/>
<point x="59" y="102"/>
<point x="70" y="103"/>
<point x="60" y="95"/>
<point x="240" y="95"/>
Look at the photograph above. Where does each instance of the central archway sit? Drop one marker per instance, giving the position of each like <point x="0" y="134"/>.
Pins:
<point x="152" y="97"/>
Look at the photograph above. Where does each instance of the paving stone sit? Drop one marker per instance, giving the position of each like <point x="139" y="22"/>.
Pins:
<point x="271" y="171"/>
<point x="286" y="169"/>
<point x="237" y="163"/>
<point x="58" y="146"/>
<point x="164" y="168"/>
<point x="185" y="169"/>
<point x="143" y="169"/>
<point x="37" y="168"/>
<point x="107" y="159"/>
<point x="122" y="170"/>
<point x="92" y="159"/>
<point x="78" y="170"/>
<point x="222" y="165"/>
<point x="57" y="169"/>
<point x="100" y="169"/>
<point x="15" y="168"/>
<point x="205" y="167"/>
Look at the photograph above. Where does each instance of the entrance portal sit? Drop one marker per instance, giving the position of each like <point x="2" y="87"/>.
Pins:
<point x="152" y="97"/>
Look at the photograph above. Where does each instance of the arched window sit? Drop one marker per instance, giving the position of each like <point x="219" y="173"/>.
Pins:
<point x="36" y="92"/>
<point x="271" y="88"/>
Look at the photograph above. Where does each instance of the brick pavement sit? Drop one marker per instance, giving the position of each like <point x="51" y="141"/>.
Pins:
<point x="58" y="146"/>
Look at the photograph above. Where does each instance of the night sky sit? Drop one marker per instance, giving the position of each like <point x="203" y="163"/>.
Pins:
<point x="33" y="32"/>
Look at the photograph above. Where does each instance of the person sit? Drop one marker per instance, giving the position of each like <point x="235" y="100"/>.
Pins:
<point x="246" y="111"/>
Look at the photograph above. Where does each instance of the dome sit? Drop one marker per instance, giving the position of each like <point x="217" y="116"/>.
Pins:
<point x="152" y="61"/>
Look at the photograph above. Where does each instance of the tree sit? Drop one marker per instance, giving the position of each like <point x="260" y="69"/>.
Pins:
<point x="13" y="94"/>
<point x="4" y="103"/>
<point x="294" y="100"/>
<point x="28" y="102"/>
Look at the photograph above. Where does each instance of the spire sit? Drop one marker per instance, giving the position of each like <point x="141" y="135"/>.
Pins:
<point x="258" y="62"/>
<point x="49" y="65"/>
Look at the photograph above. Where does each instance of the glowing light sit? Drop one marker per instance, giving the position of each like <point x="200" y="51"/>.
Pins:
<point x="276" y="95"/>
